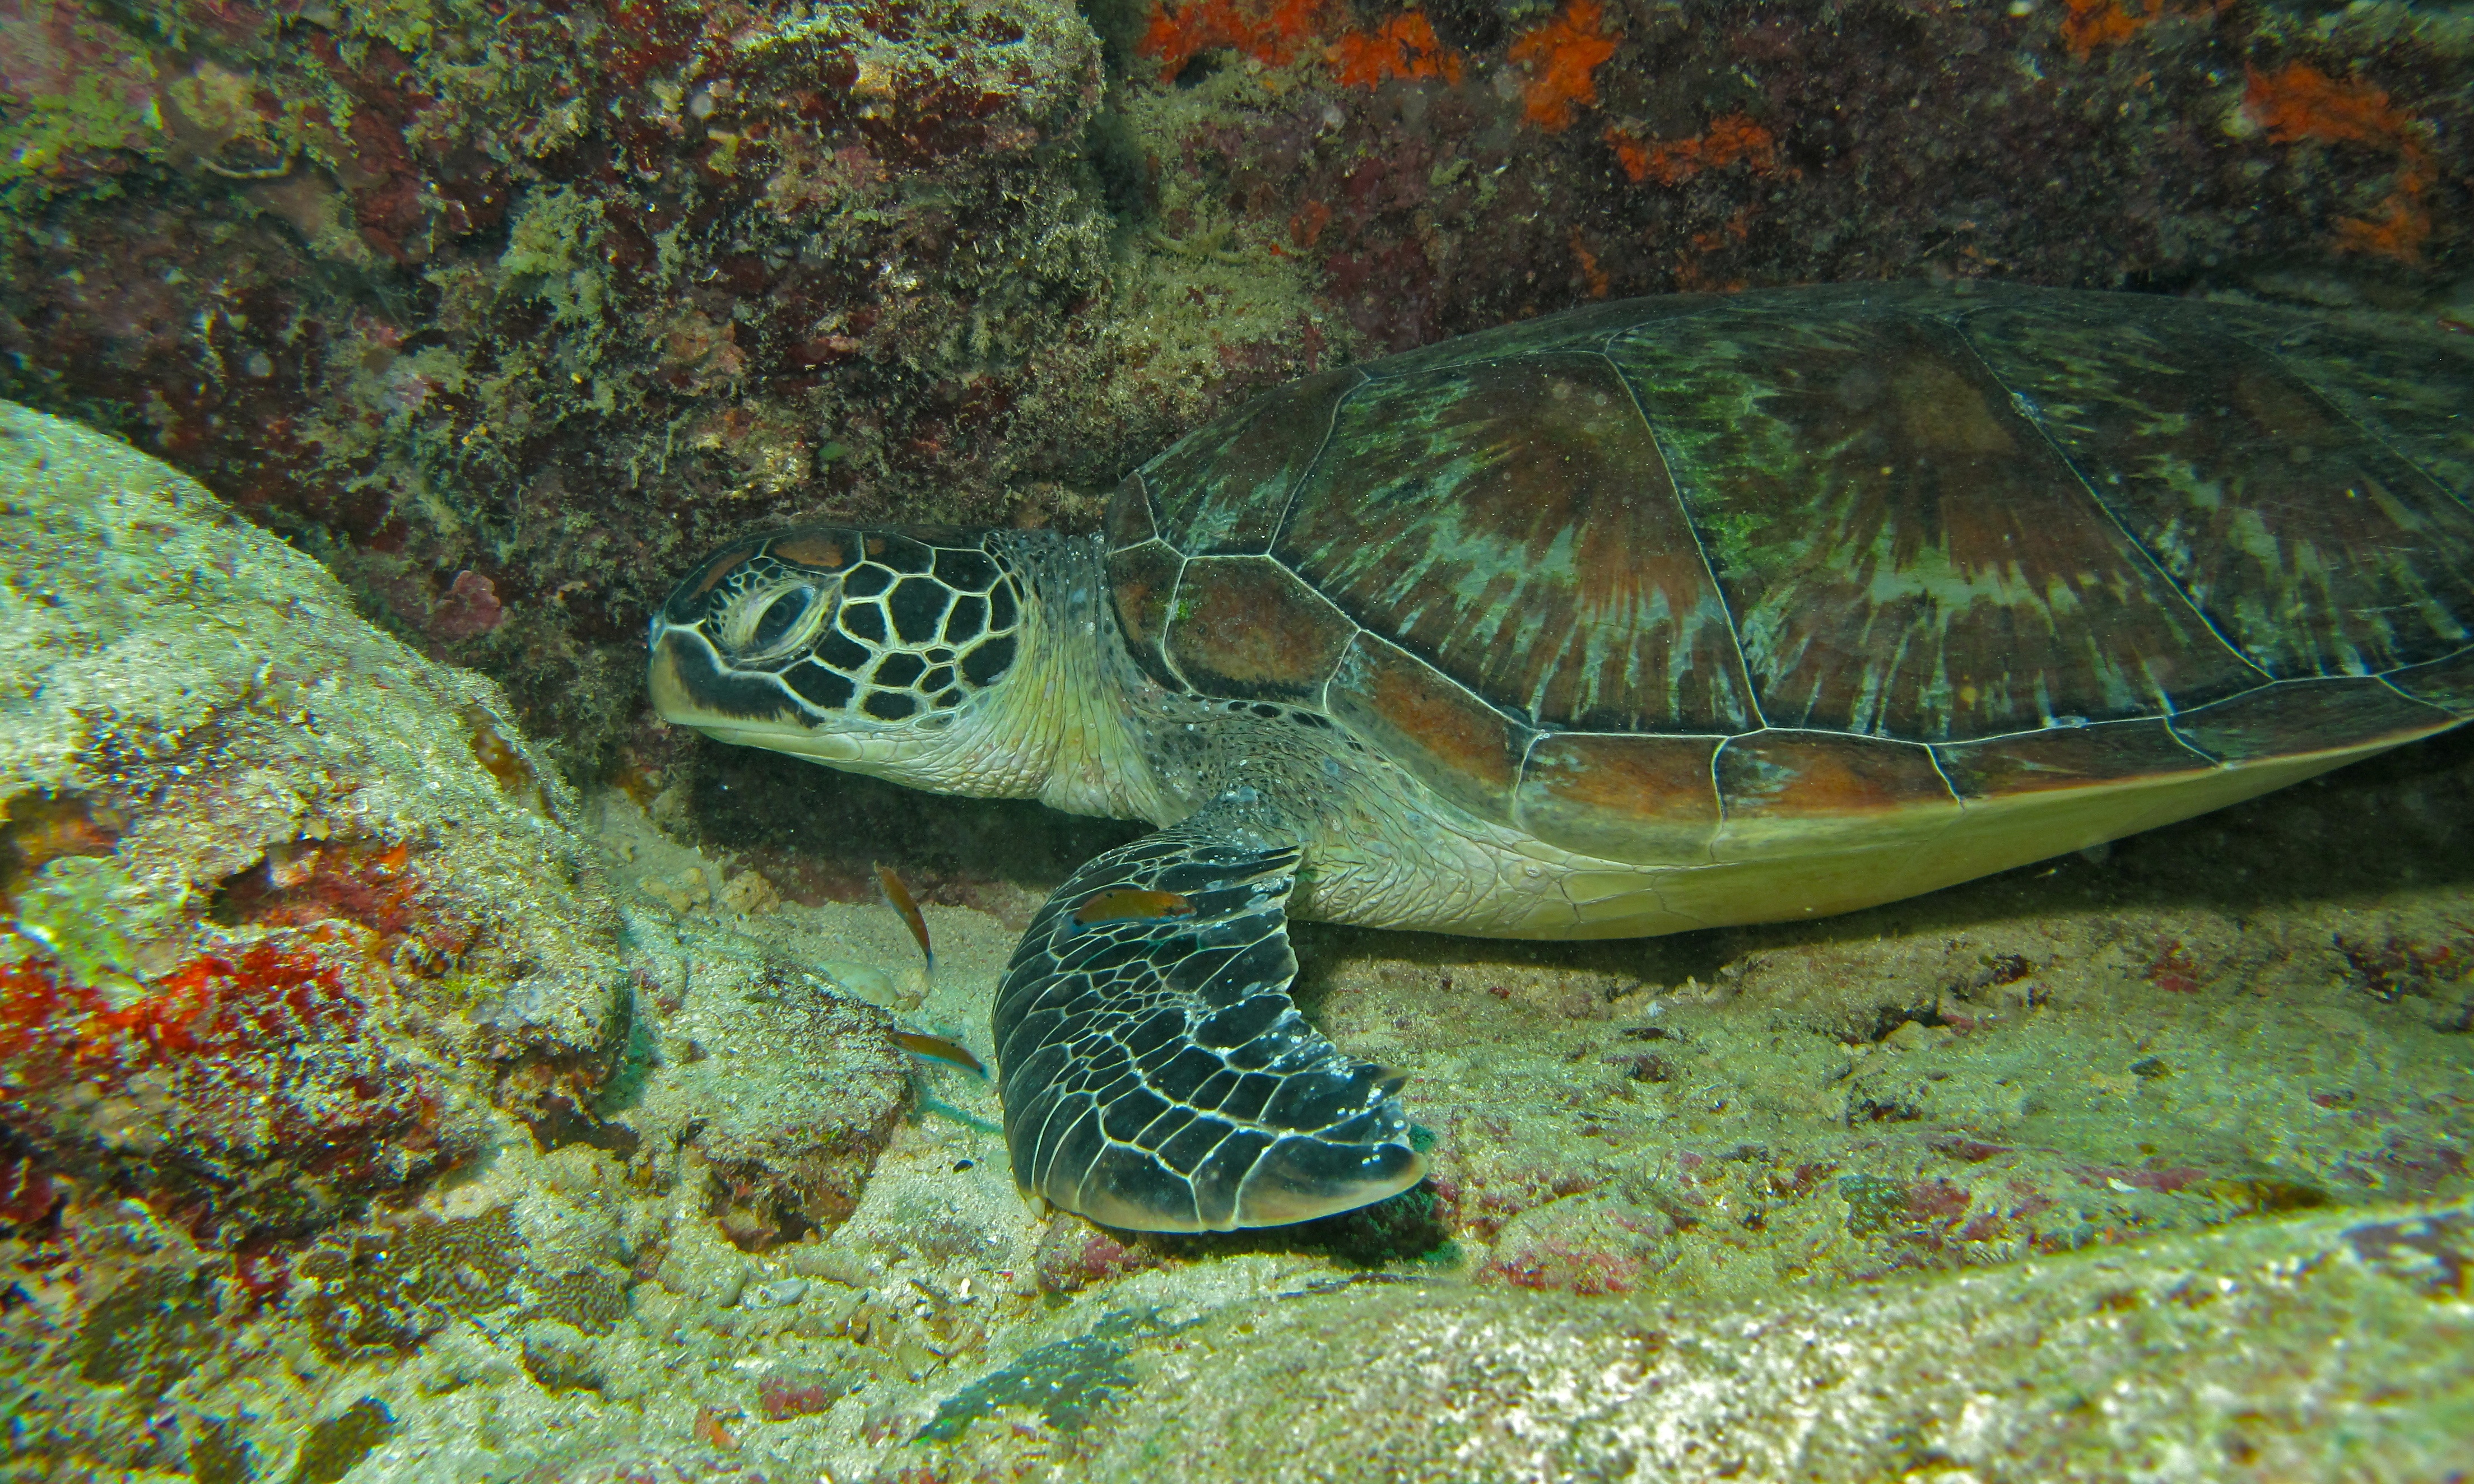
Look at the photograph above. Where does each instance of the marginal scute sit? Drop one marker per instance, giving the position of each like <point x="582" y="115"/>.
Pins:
<point x="1447" y="738"/>
<point x="2077" y="756"/>
<point x="1143" y="580"/>
<point x="2308" y="716"/>
<point x="2448" y="683"/>
<point x="1802" y="790"/>
<point x="1516" y="523"/>
<point x="1648" y="799"/>
<point x="1235" y="477"/>
<point x="1246" y="626"/>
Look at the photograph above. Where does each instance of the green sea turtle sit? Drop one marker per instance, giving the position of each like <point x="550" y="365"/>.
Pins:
<point x="1643" y="617"/>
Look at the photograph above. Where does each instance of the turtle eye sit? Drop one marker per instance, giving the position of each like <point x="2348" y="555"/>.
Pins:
<point x="771" y="619"/>
<point x="784" y="610"/>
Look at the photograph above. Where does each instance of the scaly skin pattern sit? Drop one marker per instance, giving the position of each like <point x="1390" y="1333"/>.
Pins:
<point x="1156" y="1073"/>
<point x="1378" y="847"/>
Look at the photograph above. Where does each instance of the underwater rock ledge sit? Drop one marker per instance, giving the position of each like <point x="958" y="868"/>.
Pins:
<point x="286" y="903"/>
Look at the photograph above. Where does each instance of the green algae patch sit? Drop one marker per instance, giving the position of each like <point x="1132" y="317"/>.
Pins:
<point x="336" y="1447"/>
<point x="148" y="1334"/>
<point x="82" y="87"/>
<point x="93" y="918"/>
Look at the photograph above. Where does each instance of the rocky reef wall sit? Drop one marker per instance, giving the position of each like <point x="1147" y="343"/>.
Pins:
<point x="506" y="311"/>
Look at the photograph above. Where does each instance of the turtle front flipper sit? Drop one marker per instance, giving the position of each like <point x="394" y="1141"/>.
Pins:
<point x="1155" y="1074"/>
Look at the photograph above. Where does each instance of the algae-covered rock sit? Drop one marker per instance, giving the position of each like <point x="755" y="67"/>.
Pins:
<point x="783" y="1088"/>
<point x="282" y="903"/>
<point x="2327" y="1348"/>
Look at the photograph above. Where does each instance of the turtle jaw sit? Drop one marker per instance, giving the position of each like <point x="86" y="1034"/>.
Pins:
<point x="691" y="688"/>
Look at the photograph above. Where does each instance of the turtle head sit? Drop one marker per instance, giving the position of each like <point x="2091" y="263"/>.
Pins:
<point x="869" y="651"/>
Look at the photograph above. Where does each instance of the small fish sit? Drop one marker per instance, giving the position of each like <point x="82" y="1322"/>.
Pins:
<point x="1131" y="902"/>
<point x="929" y="1104"/>
<point x="900" y="896"/>
<point x="936" y="1048"/>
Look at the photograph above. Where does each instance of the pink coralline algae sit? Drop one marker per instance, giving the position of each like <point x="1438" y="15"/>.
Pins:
<point x="470" y="608"/>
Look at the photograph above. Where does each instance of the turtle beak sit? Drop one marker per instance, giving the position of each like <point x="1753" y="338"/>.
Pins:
<point x="691" y="688"/>
<point x="671" y="699"/>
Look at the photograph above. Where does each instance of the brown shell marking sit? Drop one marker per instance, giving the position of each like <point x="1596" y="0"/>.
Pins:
<point x="1128" y="522"/>
<point x="1843" y="593"/>
<point x="1515" y="523"/>
<point x="1455" y="743"/>
<point x="2284" y="721"/>
<point x="2309" y="544"/>
<point x="2068" y="758"/>
<point x="1904" y="551"/>
<point x="1246" y="626"/>
<point x="1642" y="798"/>
<point x="1142" y="579"/>
<point x="1811" y="789"/>
<point x="1235" y="478"/>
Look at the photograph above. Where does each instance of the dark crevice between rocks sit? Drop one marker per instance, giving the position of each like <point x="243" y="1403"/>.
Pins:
<point x="634" y="1041"/>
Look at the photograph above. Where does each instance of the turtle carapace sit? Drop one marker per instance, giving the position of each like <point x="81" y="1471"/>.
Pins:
<point x="1648" y="616"/>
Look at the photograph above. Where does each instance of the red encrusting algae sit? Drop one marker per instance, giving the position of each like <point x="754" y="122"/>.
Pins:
<point x="1273" y="34"/>
<point x="1728" y="138"/>
<point x="2298" y="102"/>
<point x="246" y="1001"/>
<point x="1405" y="46"/>
<point x="1561" y="57"/>
<point x="1279" y="33"/>
<point x="2094" y="23"/>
